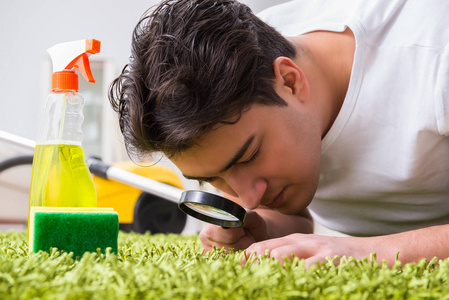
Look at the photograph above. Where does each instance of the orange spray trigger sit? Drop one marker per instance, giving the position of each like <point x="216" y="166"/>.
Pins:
<point x="82" y="64"/>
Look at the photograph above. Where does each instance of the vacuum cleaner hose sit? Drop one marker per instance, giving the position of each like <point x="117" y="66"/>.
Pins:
<point x="16" y="161"/>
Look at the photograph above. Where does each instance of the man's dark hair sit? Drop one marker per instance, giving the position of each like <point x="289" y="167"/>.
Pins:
<point x="195" y="65"/>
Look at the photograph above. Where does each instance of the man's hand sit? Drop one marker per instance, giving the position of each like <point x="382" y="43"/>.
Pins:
<point x="310" y="247"/>
<point x="253" y="230"/>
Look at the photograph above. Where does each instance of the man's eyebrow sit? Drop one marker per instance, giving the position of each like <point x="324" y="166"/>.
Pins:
<point x="238" y="155"/>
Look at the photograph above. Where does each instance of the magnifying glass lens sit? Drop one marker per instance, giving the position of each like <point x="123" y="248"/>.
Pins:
<point x="212" y="208"/>
<point x="211" y="211"/>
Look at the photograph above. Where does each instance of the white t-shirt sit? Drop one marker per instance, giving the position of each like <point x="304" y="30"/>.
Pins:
<point x="385" y="161"/>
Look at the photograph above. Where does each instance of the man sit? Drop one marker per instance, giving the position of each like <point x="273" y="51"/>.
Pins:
<point x="344" y="117"/>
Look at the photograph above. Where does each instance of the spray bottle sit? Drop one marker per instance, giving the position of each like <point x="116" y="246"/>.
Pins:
<point x="60" y="176"/>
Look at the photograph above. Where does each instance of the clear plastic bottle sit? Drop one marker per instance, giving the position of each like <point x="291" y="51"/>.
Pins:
<point x="60" y="176"/>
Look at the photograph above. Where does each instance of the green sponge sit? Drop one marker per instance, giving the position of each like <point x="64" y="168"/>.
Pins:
<point x="73" y="229"/>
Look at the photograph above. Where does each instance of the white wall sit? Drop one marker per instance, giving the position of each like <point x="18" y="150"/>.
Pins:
<point x="29" y="27"/>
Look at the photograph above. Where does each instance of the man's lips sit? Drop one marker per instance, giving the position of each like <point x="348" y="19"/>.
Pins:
<point x="277" y="201"/>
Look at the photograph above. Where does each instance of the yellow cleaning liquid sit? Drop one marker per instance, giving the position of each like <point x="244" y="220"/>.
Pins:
<point x="60" y="177"/>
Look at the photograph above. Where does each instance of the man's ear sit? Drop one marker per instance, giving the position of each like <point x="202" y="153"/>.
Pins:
<point x="290" y="78"/>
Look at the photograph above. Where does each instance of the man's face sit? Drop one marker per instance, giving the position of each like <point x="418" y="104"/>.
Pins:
<point x="270" y="157"/>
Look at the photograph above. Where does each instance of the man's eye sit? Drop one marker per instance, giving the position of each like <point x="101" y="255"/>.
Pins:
<point x="208" y="180"/>
<point x="253" y="158"/>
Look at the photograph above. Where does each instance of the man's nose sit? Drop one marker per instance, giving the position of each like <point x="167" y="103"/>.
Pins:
<point x="249" y="189"/>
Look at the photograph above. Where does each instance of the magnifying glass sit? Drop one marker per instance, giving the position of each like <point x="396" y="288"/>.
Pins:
<point x="204" y="206"/>
<point x="212" y="208"/>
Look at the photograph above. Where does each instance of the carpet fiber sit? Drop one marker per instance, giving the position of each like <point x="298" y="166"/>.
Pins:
<point x="173" y="267"/>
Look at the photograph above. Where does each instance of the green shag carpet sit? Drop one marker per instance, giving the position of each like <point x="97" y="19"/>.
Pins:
<point x="173" y="267"/>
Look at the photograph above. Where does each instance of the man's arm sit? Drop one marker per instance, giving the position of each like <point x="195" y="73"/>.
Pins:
<point x="412" y="245"/>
